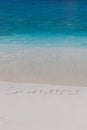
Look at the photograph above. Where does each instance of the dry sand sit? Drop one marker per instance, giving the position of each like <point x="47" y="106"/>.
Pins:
<point x="42" y="107"/>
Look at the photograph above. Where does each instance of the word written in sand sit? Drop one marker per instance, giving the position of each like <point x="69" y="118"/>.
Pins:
<point x="14" y="91"/>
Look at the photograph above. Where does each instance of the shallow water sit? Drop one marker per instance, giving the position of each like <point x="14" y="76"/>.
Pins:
<point x="59" y="23"/>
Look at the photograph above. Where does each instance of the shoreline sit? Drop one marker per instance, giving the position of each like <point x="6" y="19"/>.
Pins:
<point x="41" y="83"/>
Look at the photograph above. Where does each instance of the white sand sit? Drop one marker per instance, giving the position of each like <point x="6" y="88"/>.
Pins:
<point x="42" y="107"/>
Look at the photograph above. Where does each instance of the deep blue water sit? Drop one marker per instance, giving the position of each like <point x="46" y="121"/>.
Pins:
<point x="64" y="20"/>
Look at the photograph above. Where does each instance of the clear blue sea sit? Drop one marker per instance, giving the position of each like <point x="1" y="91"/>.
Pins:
<point x="44" y="22"/>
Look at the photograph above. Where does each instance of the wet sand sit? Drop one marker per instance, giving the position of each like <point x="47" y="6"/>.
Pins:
<point x="43" y="64"/>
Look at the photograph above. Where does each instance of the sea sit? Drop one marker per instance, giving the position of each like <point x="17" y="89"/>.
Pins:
<point x="44" y="22"/>
<point x="43" y="41"/>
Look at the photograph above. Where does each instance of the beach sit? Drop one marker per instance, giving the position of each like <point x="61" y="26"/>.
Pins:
<point x="38" y="107"/>
<point x="43" y="88"/>
<point x="43" y="65"/>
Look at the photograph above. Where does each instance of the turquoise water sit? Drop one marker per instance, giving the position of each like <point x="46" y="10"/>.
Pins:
<point x="37" y="22"/>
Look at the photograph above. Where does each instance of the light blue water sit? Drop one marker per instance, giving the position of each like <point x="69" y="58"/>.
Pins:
<point x="48" y="22"/>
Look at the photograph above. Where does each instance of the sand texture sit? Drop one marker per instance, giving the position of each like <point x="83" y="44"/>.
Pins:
<point x="42" y="107"/>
